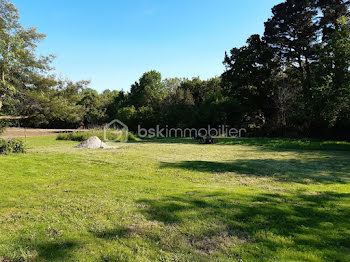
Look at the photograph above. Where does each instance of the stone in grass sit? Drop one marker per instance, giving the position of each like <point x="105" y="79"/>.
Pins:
<point x="95" y="143"/>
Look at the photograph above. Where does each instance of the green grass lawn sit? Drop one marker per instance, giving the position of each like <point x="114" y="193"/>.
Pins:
<point x="176" y="200"/>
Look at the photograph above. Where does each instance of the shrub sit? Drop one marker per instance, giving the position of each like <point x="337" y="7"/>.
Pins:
<point x="8" y="146"/>
<point x="82" y="136"/>
<point x="3" y="126"/>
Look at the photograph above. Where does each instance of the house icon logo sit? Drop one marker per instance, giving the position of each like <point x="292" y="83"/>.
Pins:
<point x="119" y="128"/>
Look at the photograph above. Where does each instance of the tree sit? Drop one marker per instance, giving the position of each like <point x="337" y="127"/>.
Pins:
<point x="292" y="34"/>
<point x="247" y="78"/>
<point x="178" y="108"/>
<point x="95" y="109"/>
<point x="117" y="102"/>
<point x="56" y="106"/>
<point x="18" y="61"/>
<point x="201" y="89"/>
<point x="148" y="91"/>
<point x="296" y="77"/>
<point x="331" y="10"/>
<point x="332" y="96"/>
<point x="172" y="84"/>
<point x="128" y="116"/>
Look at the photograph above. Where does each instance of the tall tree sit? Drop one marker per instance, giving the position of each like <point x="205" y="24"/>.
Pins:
<point x="292" y="33"/>
<point x="248" y="77"/>
<point x="56" y="106"/>
<point x="95" y="108"/>
<point x="200" y="89"/>
<point x="333" y="30"/>
<point x="18" y="61"/>
<point x="331" y="10"/>
<point x="332" y="96"/>
<point x="148" y="91"/>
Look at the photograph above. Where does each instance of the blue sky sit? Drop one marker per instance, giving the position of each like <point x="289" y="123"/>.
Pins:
<point x="113" y="42"/>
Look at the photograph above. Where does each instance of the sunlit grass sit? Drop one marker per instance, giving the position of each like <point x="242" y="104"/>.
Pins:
<point x="174" y="200"/>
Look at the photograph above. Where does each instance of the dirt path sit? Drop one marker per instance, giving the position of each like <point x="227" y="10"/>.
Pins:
<point x="30" y="132"/>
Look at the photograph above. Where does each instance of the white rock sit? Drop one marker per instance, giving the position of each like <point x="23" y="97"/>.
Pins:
<point x="94" y="143"/>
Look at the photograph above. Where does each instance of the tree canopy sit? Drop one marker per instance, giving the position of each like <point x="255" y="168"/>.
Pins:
<point x="291" y="81"/>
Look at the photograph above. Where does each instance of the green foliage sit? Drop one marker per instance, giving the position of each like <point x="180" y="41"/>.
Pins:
<point x="148" y="91"/>
<point x="178" y="108"/>
<point x="127" y="115"/>
<point x="291" y="81"/>
<point x="57" y="106"/>
<point x="9" y="146"/>
<point x="249" y="78"/>
<point x="19" y="63"/>
<point x="96" y="106"/>
<point x="294" y="80"/>
<point x="332" y="95"/>
<point x="186" y="103"/>
<point x="3" y="126"/>
<point x="110" y="135"/>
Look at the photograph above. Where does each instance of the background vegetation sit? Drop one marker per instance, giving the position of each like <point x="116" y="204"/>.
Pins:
<point x="8" y="146"/>
<point x="119" y="135"/>
<point x="292" y="81"/>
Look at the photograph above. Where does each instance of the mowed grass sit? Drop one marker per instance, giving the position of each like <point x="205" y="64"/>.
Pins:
<point x="175" y="200"/>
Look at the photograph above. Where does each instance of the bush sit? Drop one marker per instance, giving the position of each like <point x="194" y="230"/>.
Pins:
<point x="8" y="146"/>
<point x="82" y="136"/>
<point x="3" y="126"/>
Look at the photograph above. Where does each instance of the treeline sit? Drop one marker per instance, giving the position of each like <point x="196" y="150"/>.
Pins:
<point x="292" y="81"/>
<point x="151" y="101"/>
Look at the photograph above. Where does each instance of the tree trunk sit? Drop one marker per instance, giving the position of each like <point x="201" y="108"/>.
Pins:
<point x="1" y="100"/>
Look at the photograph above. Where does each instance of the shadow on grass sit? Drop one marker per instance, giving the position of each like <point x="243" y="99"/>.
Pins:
<point x="55" y="251"/>
<point x="48" y="250"/>
<point x="266" y="144"/>
<point x="286" y="144"/>
<point x="166" y="141"/>
<point x="116" y="233"/>
<point x="309" y="171"/>
<point x="278" y="224"/>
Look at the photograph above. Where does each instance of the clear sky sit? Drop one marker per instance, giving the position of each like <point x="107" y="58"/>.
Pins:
<point x="113" y="42"/>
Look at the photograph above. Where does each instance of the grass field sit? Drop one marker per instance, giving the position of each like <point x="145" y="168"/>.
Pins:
<point x="175" y="200"/>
